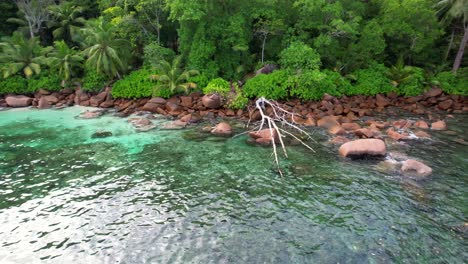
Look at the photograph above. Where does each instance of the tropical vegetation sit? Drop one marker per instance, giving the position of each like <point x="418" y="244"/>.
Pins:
<point x="147" y="48"/>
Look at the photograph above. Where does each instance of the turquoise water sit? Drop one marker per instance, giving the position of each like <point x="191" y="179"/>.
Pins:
<point x="186" y="197"/>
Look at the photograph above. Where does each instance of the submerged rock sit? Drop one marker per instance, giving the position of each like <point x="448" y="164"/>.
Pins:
<point x="416" y="169"/>
<point x="142" y="124"/>
<point x="222" y="129"/>
<point x="265" y="136"/>
<point x="363" y="147"/>
<point x="102" y="134"/>
<point x="439" y="125"/>
<point x="174" y="125"/>
<point x="91" y="114"/>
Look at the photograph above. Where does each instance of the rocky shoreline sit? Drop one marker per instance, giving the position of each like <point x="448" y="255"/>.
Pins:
<point x="351" y="122"/>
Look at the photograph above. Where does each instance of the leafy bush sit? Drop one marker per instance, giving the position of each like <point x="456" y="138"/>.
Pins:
<point x="219" y="86"/>
<point x="47" y="81"/>
<point x="93" y="81"/>
<point x="299" y="56"/>
<point x="371" y="81"/>
<point x="15" y="85"/>
<point x="238" y="100"/>
<point x="451" y="83"/>
<point x="200" y="80"/>
<point x="312" y="85"/>
<point x="155" y="53"/>
<point x="272" y="86"/>
<point x="413" y="84"/>
<point x="137" y="84"/>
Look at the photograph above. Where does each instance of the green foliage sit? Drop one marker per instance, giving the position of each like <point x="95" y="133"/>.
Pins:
<point x="371" y="81"/>
<point x="155" y="53"/>
<point x="66" y="21"/>
<point x="312" y="85"/>
<point x="272" y="86"/>
<point x="238" y="102"/>
<point x="93" y="81"/>
<point x="219" y="86"/>
<point x="46" y="80"/>
<point x="13" y="85"/>
<point x="64" y="60"/>
<point x="453" y="83"/>
<point x="21" y="55"/>
<point x="137" y="84"/>
<point x="408" y="80"/>
<point x="105" y="53"/>
<point x="200" y="80"/>
<point x="299" y="56"/>
<point x="172" y="77"/>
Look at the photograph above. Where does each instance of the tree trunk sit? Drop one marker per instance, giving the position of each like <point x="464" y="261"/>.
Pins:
<point x="461" y="50"/>
<point x="263" y="47"/>
<point x="450" y="45"/>
<point x="31" y="31"/>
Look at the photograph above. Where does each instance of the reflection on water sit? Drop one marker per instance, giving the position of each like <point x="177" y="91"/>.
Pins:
<point x="177" y="196"/>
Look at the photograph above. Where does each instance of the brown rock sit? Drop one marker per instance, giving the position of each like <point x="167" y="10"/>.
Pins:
<point x="212" y="101"/>
<point x="107" y="104"/>
<point x="395" y="135"/>
<point x="339" y="140"/>
<point x="350" y="126"/>
<point x="18" y="101"/>
<point x="174" y="125"/>
<point x="439" y="125"/>
<point x="172" y="107"/>
<point x="421" y="124"/>
<point x="265" y="136"/>
<point x="402" y="124"/>
<point x="416" y="168"/>
<point x="422" y="134"/>
<point x="364" y="133"/>
<point x="43" y="103"/>
<point x="310" y="122"/>
<point x="444" y="105"/>
<point x="186" y="101"/>
<point x="434" y="92"/>
<point x="91" y="114"/>
<point x="336" y="130"/>
<point x="327" y="122"/>
<point x="381" y="101"/>
<point x="222" y="129"/>
<point x="362" y="147"/>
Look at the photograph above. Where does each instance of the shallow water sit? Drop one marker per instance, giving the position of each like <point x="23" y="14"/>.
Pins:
<point x="178" y="197"/>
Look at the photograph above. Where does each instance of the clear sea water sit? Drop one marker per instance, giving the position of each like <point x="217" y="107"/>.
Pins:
<point x="187" y="197"/>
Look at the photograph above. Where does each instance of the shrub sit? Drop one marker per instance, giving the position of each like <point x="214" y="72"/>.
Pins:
<point x="155" y="53"/>
<point x="238" y="100"/>
<point x="371" y="81"/>
<point x="137" y="84"/>
<point x="451" y="83"/>
<point x="47" y="81"/>
<point x="312" y="85"/>
<point x="299" y="56"/>
<point x="93" y="81"/>
<point x="15" y="85"/>
<point x="200" y="80"/>
<point x="219" y="86"/>
<point x="272" y="86"/>
<point x="413" y="84"/>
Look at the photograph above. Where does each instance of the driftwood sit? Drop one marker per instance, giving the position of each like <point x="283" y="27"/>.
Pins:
<point x="280" y="120"/>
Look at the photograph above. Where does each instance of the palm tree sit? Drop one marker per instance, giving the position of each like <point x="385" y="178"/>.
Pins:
<point x="105" y="53"/>
<point x="22" y="55"/>
<point x="64" y="59"/>
<point x="172" y="77"/>
<point x="456" y="10"/>
<point x="67" y="21"/>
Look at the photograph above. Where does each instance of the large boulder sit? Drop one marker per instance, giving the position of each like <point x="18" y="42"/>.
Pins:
<point x="153" y="104"/>
<point x="43" y="103"/>
<point x="268" y="68"/>
<point x="99" y="99"/>
<point x="141" y="123"/>
<point x="363" y="147"/>
<point x="18" y="101"/>
<point x="222" y="129"/>
<point x="52" y="99"/>
<point x="414" y="168"/>
<point x="212" y="101"/>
